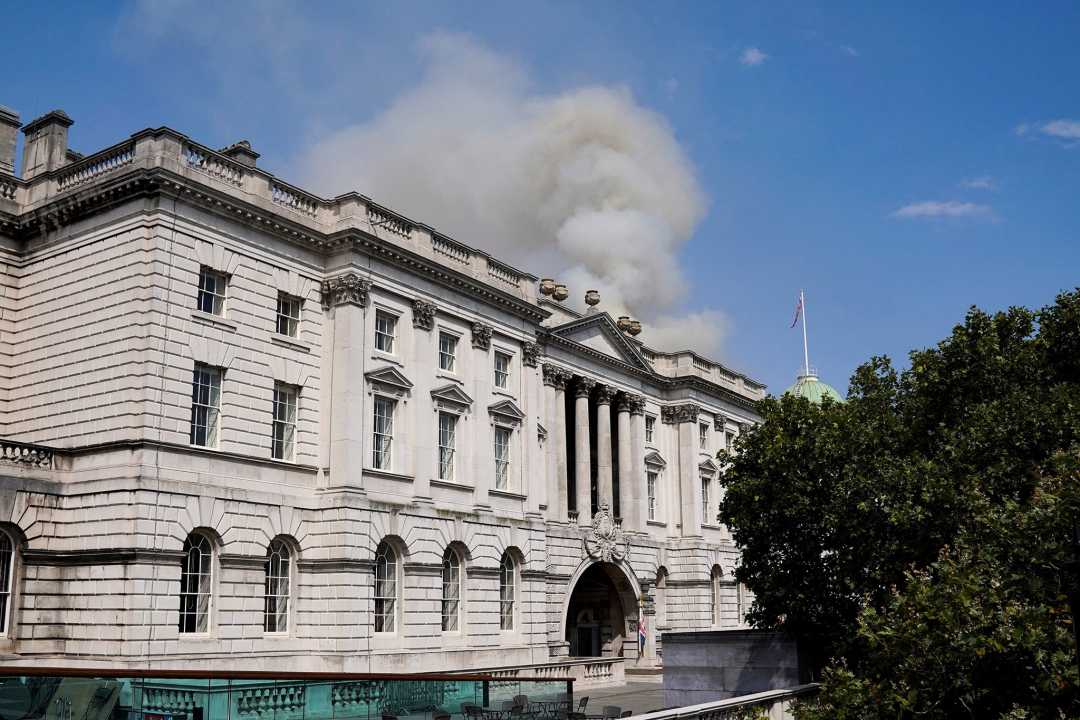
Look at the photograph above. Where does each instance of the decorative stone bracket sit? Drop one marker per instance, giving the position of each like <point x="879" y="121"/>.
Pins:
<point x="423" y="314"/>
<point x="481" y="336"/>
<point x="604" y="540"/>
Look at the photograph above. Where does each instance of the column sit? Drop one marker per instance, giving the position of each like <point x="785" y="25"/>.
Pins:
<point x="604" y="482"/>
<point x="627" y="509"/>
<point x="345" y="298"/>
<point x="582" y="450"/>
<point x="684" y="418"/>
<point x="639" y="498"/>
<point x="555" y="418"/>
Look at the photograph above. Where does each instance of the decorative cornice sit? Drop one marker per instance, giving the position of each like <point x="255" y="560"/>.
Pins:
<point x="423" y="314"/>
<point x="605" y="394"/>
<point x="678" y="414"/>
<point x="555" y="376"/>
<point x="530" y="354"/>
<point x="347" y="289"/>
<point x="481" y="336"/>
<point x="583" y="386"/>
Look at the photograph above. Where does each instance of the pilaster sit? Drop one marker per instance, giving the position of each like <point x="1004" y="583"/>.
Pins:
<point x="345" y="299"/>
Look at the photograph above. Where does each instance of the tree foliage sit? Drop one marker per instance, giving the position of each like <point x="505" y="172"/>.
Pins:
<point x="917" y="536"/>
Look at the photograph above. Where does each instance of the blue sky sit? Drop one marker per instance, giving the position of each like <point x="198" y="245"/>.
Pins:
<point x="899" y="161"/>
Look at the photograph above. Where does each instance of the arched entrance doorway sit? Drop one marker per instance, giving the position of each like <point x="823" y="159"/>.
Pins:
<point x="602" y="614"/>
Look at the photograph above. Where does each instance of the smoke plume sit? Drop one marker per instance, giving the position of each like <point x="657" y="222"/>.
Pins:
<point x="585" y="186"/>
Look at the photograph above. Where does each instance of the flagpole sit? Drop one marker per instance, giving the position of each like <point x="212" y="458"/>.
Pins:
<point x="805" y="347"/>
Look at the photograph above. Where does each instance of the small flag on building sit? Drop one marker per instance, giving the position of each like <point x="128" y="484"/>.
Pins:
<point x="641" y="630"/>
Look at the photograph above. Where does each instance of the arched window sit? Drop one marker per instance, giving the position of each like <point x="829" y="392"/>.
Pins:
<point x="7" y="572"/>
<point x="196" y="578"/>
<point x="451" y="591"/>
<point x="386" y="588"/>
<point x="717" y="579"/>
<point x="277" y="587"/>
<point x="507" y="591"/>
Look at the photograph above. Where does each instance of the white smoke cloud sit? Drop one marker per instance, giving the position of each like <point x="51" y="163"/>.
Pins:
<point x="586" y="186"/>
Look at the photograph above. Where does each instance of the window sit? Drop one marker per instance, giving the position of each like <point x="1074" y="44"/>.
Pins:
<point x="703" y="436"/>
<point x="507" y="591"/>
<point x="196" y="576"/>
<point x="447" y="351"/>
<point x="451" y="591"/>
<point x="205" y="405"/>
<point x="283" y="441"/>
<point x="278" y="577"/>
<point x="384" y="432"/>
<point x="729" y="441"/>
<point x="502" y="370"/>
<point x="650" y="428"/>
<point x="651" y="478"/>
<point x="385" y="588"/>
<point x="502" y="457"/>
<point x="385" y="324"/>
<point x="706" y="486"/>
<point x="211" y="291"/>
<point x="717" y="579"/>
<point x="740" y="603"/>
<point x="7" y="573"/>
<point x="288" y="314"/>
<point x="447" y="433"/>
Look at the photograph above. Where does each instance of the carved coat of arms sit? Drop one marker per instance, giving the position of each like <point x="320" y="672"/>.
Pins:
<point x="604" y="540"/>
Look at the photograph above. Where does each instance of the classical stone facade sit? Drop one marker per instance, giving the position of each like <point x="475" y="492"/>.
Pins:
<point x="251" y="427"/>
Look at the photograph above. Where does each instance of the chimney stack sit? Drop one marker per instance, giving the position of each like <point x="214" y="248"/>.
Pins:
<point x="9" y="135"/>
<point x="242" y="153"/>
<point x="45" y="145"/>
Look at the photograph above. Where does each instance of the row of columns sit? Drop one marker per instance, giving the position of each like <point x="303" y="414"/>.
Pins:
<point x="630" y="422"/>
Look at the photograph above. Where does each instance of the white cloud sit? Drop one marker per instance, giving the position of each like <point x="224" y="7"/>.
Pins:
<point x="752" y="57"/>
<point x="943" y="209"/>
<point x="586" y="186"/>
<point x="1063" y="129"/>
<point x="852" y="52"/>
<point x="983" y="182"/>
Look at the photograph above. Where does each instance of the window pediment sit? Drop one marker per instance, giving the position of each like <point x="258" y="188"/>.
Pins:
<point x="453" y="396"/>
<point x="389" y="379"/>
<point x="506" y="411"/>
<point x="708" y="467"/>
<point x="655" y="459"/>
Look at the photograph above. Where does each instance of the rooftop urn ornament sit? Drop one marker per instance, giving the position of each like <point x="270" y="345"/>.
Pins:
<point x="547" y="286"/>
<point x="635" y="327"/>
<point x="624" y="323"/>
<point x="592" y="297"/>
<point x="604" y="540"/>
<point x="561" y="292"/>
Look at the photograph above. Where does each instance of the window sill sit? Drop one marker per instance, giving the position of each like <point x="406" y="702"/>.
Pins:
<point x="711" y="526"/>
<point x="506" y="494"/>
<point x="376" y="472"/>
<point x="656" y="523"/>
<point x="218" y="320"/>
<point x="294" y="343"/>
<point x="276" y="635"/>
<point x="451" y="484"/>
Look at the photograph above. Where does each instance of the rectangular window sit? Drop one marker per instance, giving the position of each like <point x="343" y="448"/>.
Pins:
<point x="385" y="324"/>
<point x="650" y="428"/>
<point x="729" y="441"/>
<point x="288" y="315"/>
<point x="447" y="351"/>
<point x="384" y="432"/>
<point x="502" y="370"/>
<point x="703" y="436"/>
<point x="651" y="482"/>
<point x="447" y="439"/>
<point x="283" y="441"/>
<point x="211" y="291"/>
<point x="502" y="457"/>
<point x="205" y="405"/>
<point x="706" y="483"/>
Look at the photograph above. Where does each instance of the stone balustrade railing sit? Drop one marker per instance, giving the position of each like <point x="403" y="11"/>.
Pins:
<point x="25" y="454"/>
<point x="503" y="273"/>
<point x="94" y="166"/>
<point x="772" y="704"/>
<point x="586" y="673"/>
<point x="383" y="218"/>
<point x="213" y="164"/>
<point x="294" y="199"/>
<point x="450" y="248"/>
<point x="270" y="699"/>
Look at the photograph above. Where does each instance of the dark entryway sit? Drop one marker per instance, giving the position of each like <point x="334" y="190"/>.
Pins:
<point x="602" y="614"/>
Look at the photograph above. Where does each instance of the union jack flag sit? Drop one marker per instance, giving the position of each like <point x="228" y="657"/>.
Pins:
<point x="641" y="630"/>
<point x="798" y="311"/>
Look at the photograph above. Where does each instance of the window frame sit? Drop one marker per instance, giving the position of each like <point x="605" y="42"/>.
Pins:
<point x="652" y="482"/>
<point x="205" y="574"/>
<point x="276" y="546"/>
<point x="446" y="463"/>
<point x="650" y="428"/>
<point x="380" y="334"/>
<point x="212" y="412"/>
<point x="496" y="372"/>
<point x="706" y="497"/>
<point x="382" y="458"/>
<point x="9" y="556"/>
<point x="287" y="441"/>
<point x="703" y="437"/>
<point x="454" y="340"/>
<point x="502" y="463"/>
<point x="508" y="586"/>
<point x="452" y="580"/>
<point x="291" y="322"/>
<point x="216" y="295"/>
<point x="388" y="557"/>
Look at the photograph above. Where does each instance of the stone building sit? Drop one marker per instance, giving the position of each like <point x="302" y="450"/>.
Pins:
<point x="256" y="428"/>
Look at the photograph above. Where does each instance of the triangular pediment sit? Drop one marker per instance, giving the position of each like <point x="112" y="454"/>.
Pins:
<point x="600" y="333"/>
<point x="708" y="467"/>
<point x="451" y="394"/>
<point x="389" y="376"/>
<point x="656" y="459"/>
<point x="507" y="410"/>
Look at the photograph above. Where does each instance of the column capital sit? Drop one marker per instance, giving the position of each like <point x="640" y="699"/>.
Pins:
<point x="604" y="394"/>
<point x="347" y="289"/>
<point x="481" y="336"/>
<point x="530" y="354"/>
<point x="678" y="414"/>
<point x="633" y="404"/>
<point x="555" y="376"/>
<point x="583" y="386"/>
<point x="423" y="314"/>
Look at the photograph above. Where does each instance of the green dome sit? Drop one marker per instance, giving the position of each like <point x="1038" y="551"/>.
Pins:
<point x="811" y="388"/>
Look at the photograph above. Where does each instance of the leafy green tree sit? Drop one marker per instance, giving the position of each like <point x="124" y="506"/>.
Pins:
<point x="916" y="536"/>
